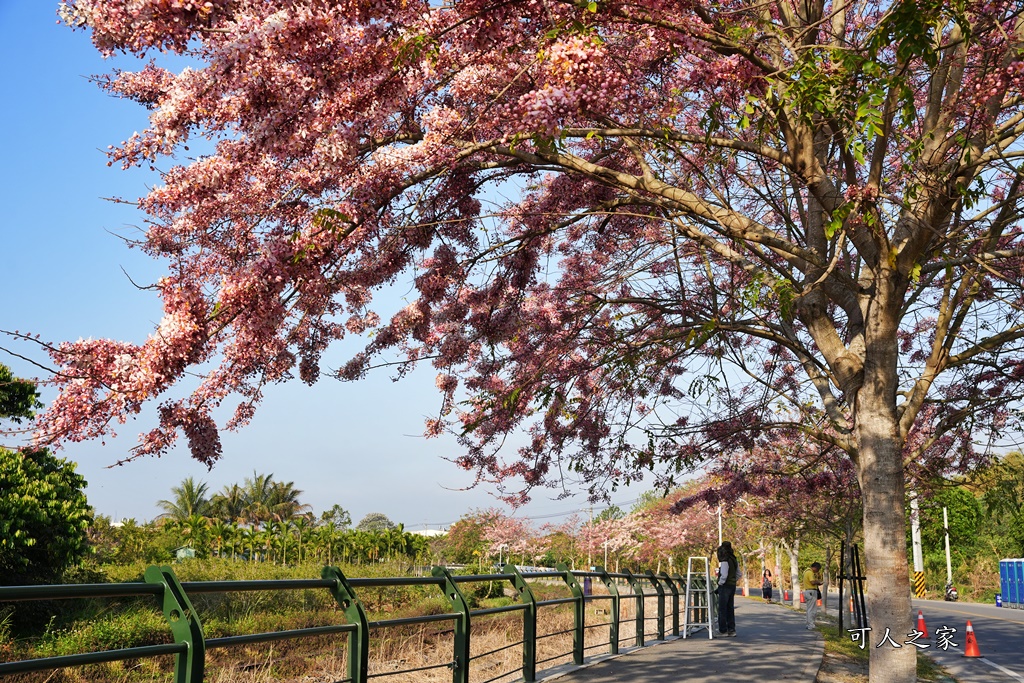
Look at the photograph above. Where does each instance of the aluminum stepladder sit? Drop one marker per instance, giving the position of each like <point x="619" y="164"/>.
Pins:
<point x="699" y="610"/>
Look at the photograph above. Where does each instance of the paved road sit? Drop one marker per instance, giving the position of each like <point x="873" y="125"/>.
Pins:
<point x="998" y="631"/>
<point x="772" y="645"/>
<point x="1000" y="636"/>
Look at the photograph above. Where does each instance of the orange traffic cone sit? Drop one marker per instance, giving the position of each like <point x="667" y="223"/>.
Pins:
<point x="851" y="605"/>
<point x="802" y="598"/>
<point x="785" y="595"/>
<point x="819" y="602"/>
<point x="920" y="624"/>
<point x="971" y="646"/>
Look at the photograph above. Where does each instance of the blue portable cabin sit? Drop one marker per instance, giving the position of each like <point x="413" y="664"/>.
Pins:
<point x="1019" y="565"/>
<point x="1004" y="582"/>
<point x="1011" y="582"/>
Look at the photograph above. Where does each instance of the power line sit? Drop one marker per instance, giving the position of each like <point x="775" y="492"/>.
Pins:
<point x="547" y="515"/>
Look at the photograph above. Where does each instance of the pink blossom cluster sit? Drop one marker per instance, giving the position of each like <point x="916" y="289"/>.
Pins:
<point x="601" y="259"/>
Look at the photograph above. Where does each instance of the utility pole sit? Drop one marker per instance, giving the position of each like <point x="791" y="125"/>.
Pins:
<point x="945" y="528"/>
<point x="590" y="562"/>
<point x="719" y="525"/>
<point x="915" y="535"/>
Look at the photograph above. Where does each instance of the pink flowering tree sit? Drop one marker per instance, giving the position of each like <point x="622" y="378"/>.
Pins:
<point x="612" y="538"/>
<point x="786" y="491"/>
<point x="592" y="539"/>
<point x="673" y="533"/>
<point x="650" y="537"/>
<point x="512" y="535"/>
<point x="724" y="219"/>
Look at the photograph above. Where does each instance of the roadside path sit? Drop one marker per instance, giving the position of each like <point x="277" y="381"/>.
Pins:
<point x="772" y="645"/>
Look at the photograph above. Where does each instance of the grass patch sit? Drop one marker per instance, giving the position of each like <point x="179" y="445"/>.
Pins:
<point x="928" y="670"/>
<point x="844" y="661"/>
<point x="842" y="643"/>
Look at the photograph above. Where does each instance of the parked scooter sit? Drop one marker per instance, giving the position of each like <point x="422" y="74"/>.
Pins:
<point x="951" y="594"/>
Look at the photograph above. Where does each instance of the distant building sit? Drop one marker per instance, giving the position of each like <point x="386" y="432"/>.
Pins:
<point x="430" y="533"/>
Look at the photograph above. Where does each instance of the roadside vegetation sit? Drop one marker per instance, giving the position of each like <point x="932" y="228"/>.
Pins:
<point x="844" y="661"/>
<point x="260" y="529"/>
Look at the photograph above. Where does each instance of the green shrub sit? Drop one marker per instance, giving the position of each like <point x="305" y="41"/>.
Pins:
<point x="101" y="624"/>
<point x="125" y="629"/>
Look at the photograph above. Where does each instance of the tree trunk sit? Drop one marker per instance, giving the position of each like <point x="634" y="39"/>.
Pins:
<point x="880" y="472"/>
<point x="794" y="569"/>
<point x="778" y="571"/>
<point x="762" y="552"/>
<point x="846" y="566"/>
<point x="825" y="582"/>
<point x="746" y="576"/>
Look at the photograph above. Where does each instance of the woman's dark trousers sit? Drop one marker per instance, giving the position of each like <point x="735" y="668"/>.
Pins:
<point x="726" y="609"/>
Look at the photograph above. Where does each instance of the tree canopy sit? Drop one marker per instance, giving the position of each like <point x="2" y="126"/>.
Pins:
<point x="19" y="398"/>
<point x="723" y="221"/>
<point x="338" y="516"/>
<point x="43" y="516"/>
<point x="374" y="522"/>
<point x="43" y="510"/>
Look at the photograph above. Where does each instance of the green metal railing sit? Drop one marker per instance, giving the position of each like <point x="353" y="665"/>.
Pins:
<point x="190" y="644"/>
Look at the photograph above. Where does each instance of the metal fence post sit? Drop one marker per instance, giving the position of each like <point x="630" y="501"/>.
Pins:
<point x="579" y="613"/>
<point x="460" y="665"/>
<point x="675" y="601"/>
<point x="613" y="625"/>
<point x="359" y="640"/>
<point x="638" y="591"/>
<point x="529" y="623"/>
<point x="661" y="603"/>
<point x="184" y="622"/>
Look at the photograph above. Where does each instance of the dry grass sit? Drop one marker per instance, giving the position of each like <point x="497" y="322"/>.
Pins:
<point x="405" y="654"/>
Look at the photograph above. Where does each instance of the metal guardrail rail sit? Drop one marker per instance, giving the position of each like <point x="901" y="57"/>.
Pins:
<point x="190" y="644"/>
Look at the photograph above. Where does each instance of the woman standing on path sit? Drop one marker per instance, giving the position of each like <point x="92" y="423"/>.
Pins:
<point x="766" y="584"/>
<point x="728" y="572"/>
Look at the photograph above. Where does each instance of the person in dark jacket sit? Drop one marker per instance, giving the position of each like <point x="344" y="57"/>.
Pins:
<point x="728" y="572"/>
<point x="766" y="584"/>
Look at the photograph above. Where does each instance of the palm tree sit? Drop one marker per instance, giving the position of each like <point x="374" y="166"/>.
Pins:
<point x="250" y="539"/>
<point x="285" y="531"/>
<point x="284" y="501"/>
<point x="233" y="538"/>
<point x="271" y="531"/>
<point x="189" y="498"/>
<point x="394" y="540"/>
<point x="229" y="504"/>
<point x="269" y="500"/>
<point x="303" y="526"/>
<point x="220" y="532"/>
<point x="325" y="537"/>
<point x="194" y="529"/>
<point x="357" y="544"/>
<point x="418" y="546"/>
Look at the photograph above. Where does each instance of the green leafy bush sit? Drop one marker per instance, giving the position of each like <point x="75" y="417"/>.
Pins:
<point x="119" y="630"/>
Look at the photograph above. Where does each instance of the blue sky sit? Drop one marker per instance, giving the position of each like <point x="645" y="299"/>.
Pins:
<point x="357" y="445"/>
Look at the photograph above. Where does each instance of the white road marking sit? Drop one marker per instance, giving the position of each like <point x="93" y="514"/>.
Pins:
<point x="1012" y="674"/>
